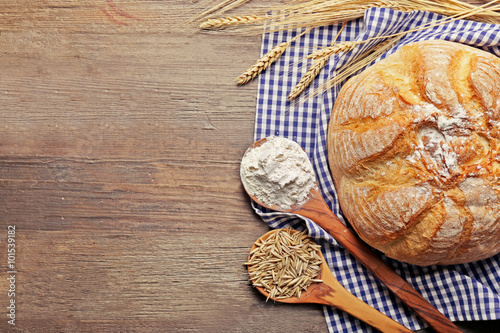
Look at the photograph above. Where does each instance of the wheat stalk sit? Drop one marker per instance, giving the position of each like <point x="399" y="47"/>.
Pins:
<point x="318" y="64"/>
<point x="316" y="9"/>
<point x="266" y="60"/>
<point x="262" y="64"/>
<point x="300" y="14"/>
<point x="230" y="21"/>
<point x="361" y="61"/>
<point x="350" y="45"/>
<point x="373" y="54"/>
<point x="315" y="13"/>
<point x="219" y="8"/>
<point x="353" y="66"/>
<point x="306" y="80"/>
<point x="334" y="49"/>
<point x="390" y="4"/>
<point x="458" y="16"/>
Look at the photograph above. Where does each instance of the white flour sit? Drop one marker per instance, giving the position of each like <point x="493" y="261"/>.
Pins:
<point x="437" y="139"/>
<point x="278" y="173"/>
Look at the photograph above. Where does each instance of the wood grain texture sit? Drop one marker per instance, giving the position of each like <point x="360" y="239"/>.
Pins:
<point x="119" y="159"/>
<point x="121" y="137"/>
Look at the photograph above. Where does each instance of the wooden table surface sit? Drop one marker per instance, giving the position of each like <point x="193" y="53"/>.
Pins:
<point x="121" y="137"/>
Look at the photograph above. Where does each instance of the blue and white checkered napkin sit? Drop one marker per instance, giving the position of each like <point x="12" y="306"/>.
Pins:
<point x="462" y="292"/>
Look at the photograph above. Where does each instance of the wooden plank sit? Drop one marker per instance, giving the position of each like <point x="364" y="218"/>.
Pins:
<point x="120" y="150"/>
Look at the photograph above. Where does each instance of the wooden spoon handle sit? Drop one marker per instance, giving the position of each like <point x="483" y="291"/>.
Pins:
<point x="317" y="210"/>
<point x="338" y="297"/>
<point x="371" y="316"/>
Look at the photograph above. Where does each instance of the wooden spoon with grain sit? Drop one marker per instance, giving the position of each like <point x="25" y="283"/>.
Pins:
<point x="331" y="292"/>
<point x="316" y="209"/>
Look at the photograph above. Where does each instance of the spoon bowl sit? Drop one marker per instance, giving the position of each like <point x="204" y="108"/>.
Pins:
<point x="331" y="292"/>
<point x="261" y="202"/>
<point x="315" y="208"/>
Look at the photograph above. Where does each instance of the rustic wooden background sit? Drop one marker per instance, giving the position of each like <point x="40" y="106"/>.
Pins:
<point x="121" y="137"/>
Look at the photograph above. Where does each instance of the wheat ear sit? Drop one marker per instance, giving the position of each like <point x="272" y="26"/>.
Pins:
<point x="319" y="63"/>
<point x="230" y="21"/>
<point x="309" y="77"/>
<point x="264" y="62"/>
<point x="393" y="5"/>
<point x="334" y="49"/>
<point x="221" y="7"/>
<point x="361" y="61"/>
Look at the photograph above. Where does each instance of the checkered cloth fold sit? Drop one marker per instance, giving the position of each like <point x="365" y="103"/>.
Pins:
<point x="462" y="292"/>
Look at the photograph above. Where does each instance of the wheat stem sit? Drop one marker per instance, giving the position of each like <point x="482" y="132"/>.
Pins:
<point x="334" y="49"/>
<point x="300" y="14"/>
<point x="347" y="46"/>
<point x="433" y="24"/>
<point x="362" y="60"/>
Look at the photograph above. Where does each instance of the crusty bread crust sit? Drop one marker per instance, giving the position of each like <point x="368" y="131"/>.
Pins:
<point x="414" y="151"/>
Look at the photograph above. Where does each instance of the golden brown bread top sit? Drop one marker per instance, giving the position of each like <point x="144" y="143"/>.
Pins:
<point x="413" y="146"/>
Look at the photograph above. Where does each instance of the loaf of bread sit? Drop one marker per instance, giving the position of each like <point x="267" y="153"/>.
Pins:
<point x="414" y="151"/>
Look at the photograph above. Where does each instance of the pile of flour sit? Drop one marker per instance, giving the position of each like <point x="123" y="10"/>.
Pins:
<point x="278" y="173"/>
